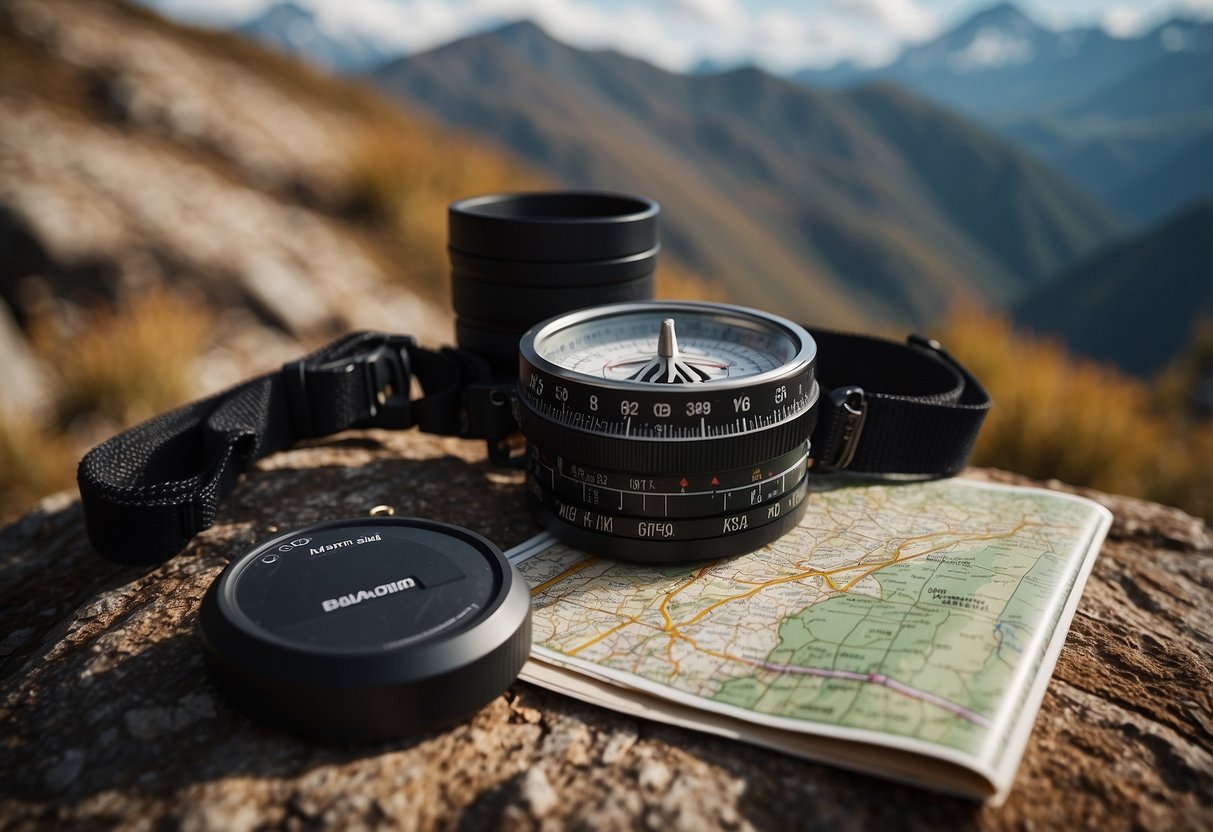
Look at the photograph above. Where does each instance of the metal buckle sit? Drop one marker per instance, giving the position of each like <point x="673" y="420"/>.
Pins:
<point x="852" y="407"/>
<point x="490" y="412"/>
<point x="388" y="376"/>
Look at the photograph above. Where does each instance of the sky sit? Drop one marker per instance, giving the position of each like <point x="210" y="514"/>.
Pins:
<point x="780" y="35"/>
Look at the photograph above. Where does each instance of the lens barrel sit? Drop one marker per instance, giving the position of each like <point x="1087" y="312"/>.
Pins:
<point x="517" y="259"/>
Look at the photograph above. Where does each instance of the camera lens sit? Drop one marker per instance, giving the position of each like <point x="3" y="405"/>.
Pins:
<point x="517" y="259"/>
<point x="492" y="304"/>
<point x="556" y="227"/>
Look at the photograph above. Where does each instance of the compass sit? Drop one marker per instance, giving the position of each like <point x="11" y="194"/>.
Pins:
<point x="667" y="431"/>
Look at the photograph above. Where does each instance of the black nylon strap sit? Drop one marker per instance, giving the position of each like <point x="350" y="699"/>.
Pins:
<point x="885" y="408"/>
<point x="922" y="409"/>
<point x="151" y="488"/>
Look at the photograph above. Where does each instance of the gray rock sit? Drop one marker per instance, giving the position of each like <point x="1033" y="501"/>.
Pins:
<point x="1122" y="740"/>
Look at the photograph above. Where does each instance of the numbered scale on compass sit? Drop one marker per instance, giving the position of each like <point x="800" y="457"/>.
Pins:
<point x="667" y="431"/>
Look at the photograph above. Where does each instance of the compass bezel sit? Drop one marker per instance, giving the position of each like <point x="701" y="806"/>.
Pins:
<point x="644" y="410"/>
<point x="804" y="349"/>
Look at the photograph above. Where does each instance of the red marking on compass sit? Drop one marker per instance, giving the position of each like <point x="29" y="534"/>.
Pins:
<point x="683" y="482"/>
<point x="715" y="481"/>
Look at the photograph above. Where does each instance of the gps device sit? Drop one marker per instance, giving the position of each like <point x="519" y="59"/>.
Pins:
<point x="367" y="628"/>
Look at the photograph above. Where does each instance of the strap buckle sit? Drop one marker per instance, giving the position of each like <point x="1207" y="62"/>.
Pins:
<point x="851" y="405"/>
<point x="367" y="386"/>
<point x="491" y="413"/>
<point x="388" y="377"/>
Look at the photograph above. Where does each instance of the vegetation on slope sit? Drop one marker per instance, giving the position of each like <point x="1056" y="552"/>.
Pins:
<point x="1087" y="424"/>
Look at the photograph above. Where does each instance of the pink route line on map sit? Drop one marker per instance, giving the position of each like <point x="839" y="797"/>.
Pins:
<point x="881" y="679"/>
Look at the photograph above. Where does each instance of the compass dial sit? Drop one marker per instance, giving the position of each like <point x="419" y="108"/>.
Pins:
<point x="620" y="348"/>
<point x="668" y="371"/>
<point x="664" y="420"/>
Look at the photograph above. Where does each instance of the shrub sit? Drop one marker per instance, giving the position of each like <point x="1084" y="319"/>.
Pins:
<point x="120" y="366"/>
<point x="402" y="177"/>
<point x="33" y="462"/>
<point x="1086" y="424"/>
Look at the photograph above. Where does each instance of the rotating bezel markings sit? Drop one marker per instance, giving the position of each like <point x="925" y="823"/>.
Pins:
<point x="721" y="407"/>
<point x="666" y="539"/>
<point x="685" y="495"/>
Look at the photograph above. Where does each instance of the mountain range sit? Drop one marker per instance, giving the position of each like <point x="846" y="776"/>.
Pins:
<point x="1111" y="113"/>
<point x="1133" y="303"/>
<point x="861" y="202"/>
<point x="1000" y="62"/>
<point x="1117" y="115"/>
<point x="838" y="207"/>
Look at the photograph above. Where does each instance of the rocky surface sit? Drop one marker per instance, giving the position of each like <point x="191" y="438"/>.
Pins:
<point x="138" y="154"/>
<point x="107" y="716"/>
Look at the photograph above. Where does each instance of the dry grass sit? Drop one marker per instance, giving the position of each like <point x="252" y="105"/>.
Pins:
<point x="403" y="176"/>
<point x="676" y="283"/>
<point x="110" y="368"/>
<point x="120" y="366"/>
<point x="1082" y="423"/>
<point x="34" y="462"/>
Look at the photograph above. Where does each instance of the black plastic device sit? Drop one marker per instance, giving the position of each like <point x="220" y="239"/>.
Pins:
<point x="367" y="628"/>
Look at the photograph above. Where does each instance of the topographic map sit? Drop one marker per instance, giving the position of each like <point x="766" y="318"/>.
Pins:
<point x="925" y="617"/>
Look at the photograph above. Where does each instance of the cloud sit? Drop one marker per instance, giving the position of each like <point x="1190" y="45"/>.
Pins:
<point x="778" y="34"/>
<point x="212" y="12"/>
<point x="991" y="48"/>
<point x="722" y="13"/>
<point x="903" y="19"/>
<point x="1123" y="21"/>
<point x="674" y="34"/>
<point x="418" y="24"/>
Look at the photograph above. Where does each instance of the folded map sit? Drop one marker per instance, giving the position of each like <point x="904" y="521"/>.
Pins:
<point x="904" y="630"/>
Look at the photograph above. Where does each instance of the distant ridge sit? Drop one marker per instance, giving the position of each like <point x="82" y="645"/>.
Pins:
<point x="1185" y="175"/>
<point x="833" y="207"/>
<point x="1001" y="63"/>
<point x="1134" y="303"/>
<point x="1102" y="110"/>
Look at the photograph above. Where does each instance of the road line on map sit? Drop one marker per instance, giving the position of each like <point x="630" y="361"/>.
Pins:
<point x="572" y="570"/>
<point x="881" y="679"/>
